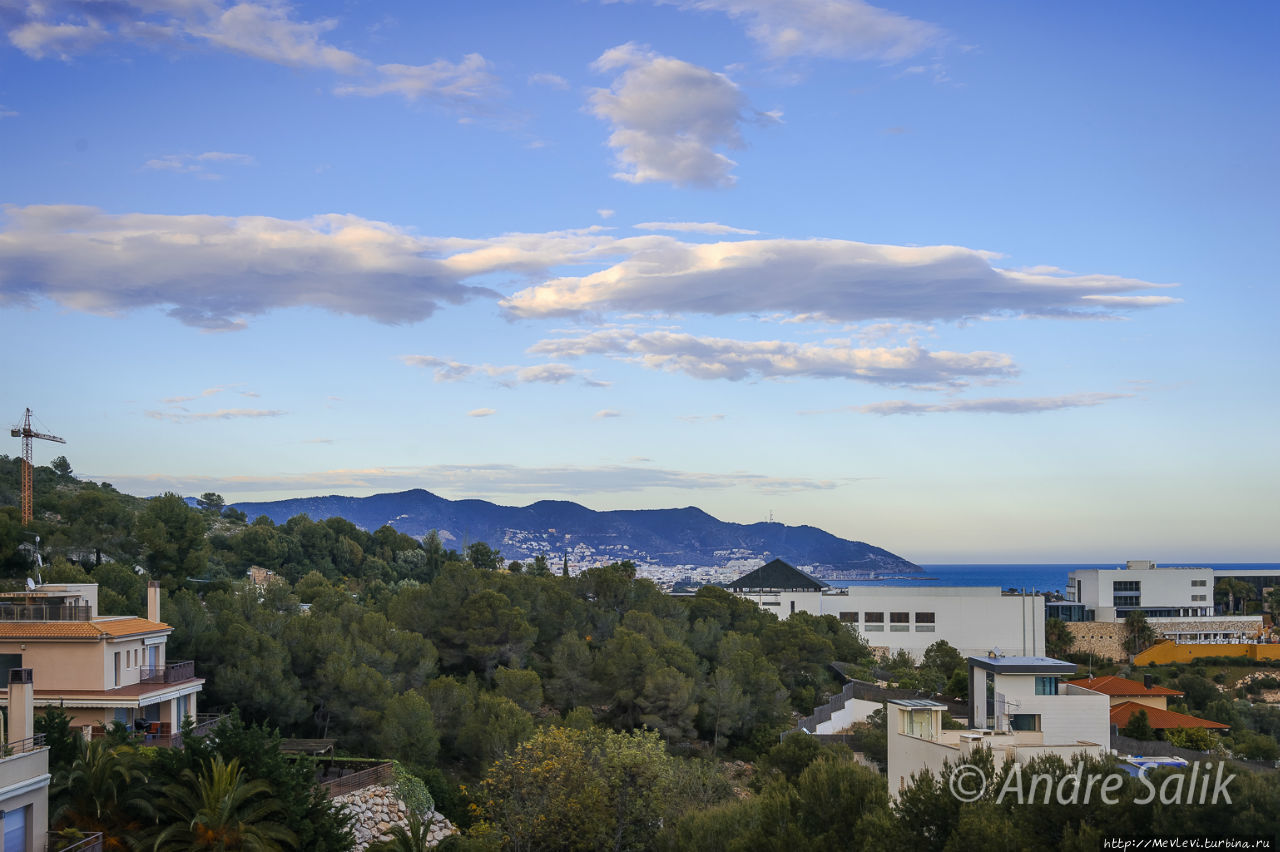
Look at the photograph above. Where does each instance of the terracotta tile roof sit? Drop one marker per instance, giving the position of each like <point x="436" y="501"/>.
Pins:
<point x="1160" y="719"/>
<point x="130" y="626"/>
<point x="1112" y="685"/>
<point x="99" y="628"/>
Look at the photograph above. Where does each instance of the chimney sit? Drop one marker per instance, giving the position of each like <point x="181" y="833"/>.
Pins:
<point x="1147" y="681"/>
<point x="21" y="711"/>
<point x="153" y="601"/>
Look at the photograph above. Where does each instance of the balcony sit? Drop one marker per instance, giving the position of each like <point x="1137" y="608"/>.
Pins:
<point x="10" y="611"/>
<point x="163" y="734"/>
<point x="74" y="841"/>
<point x="23" y="746"/>
<point x="172" y="673"/>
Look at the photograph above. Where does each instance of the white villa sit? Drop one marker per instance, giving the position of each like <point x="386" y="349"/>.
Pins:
<point x="973" y="619"/>
<point x="1020" y="708"/>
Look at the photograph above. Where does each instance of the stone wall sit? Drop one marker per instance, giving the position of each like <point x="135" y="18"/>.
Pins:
<point x="1100" y="638"/>
<point x="376" y="809"/>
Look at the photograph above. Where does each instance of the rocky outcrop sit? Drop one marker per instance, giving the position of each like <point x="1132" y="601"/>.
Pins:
<point x="376" y="809"/>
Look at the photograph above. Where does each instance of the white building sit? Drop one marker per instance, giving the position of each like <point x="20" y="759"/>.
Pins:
<point x="973" y="619"/>
<point x="1019" y="708"/>
<point x="1112" y="593"/>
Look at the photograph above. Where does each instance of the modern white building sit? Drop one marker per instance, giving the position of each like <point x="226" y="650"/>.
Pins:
<point x="1019" y="708"/>
<point x="973" y="619"/>
<point x="1110" y="594"/>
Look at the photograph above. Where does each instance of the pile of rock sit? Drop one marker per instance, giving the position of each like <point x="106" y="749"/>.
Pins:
<point x="376" y="809"/>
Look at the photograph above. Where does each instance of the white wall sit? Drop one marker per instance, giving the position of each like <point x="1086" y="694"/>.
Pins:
<point x="1162" y="588"/>
<point x="973" y="619"/>
<point x="854" y="710"/>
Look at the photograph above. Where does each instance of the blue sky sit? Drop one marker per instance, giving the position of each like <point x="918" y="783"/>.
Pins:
<point x="971" y="282"/>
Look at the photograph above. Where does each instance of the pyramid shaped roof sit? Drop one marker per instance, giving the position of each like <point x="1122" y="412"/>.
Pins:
<point x="777" y="576"/>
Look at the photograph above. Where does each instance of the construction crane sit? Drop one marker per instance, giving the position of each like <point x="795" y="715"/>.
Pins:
<point x="26" y="433"/>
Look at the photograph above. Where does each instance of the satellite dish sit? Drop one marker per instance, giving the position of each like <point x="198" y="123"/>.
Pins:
<point x="31" y="585"/>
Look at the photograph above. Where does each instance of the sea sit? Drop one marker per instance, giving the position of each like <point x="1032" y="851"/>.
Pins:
<point x="1031" y="577"/>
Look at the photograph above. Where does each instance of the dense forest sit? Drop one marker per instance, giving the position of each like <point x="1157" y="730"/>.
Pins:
<point x="542" y="711"/>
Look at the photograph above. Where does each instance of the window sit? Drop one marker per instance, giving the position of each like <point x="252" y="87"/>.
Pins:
<point x="1199" y="582"/>
<point x="1024" y="721"/>
<point x="1198" y="597"/>
<point x="875" y="618"/>
<point x="899" y="618"/>
<point x="1127" y="600"/>
<point x="1046" y="685"/>
<point x="924" y="618"/>
<point x="899" y="628"/>
<point x="924" y="628"/>
<point x="849" y="617"/>
<point x="1127" y="586"/>
<point x="15" y="829"/>
<point x="9" y="661"/>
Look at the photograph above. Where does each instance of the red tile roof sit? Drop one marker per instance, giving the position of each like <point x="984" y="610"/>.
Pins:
<point x="98" y="628"/>
<point x="1112" y="685"/>
<point x="1160" y="719"/>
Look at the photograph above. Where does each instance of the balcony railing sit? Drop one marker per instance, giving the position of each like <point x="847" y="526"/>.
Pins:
<point x="23" y="746"/>
<point x="172" y="673"/>
<point x="61" y="842"/>
<point x="163" y="734"/>
<point x="43" y="612"/>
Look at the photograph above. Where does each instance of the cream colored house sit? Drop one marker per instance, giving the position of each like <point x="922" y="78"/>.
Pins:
<point x="99" y="669"/>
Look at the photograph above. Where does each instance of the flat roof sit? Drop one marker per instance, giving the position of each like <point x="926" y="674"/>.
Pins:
<point x="1024" y="665"/>
<point x="916" y="702"/>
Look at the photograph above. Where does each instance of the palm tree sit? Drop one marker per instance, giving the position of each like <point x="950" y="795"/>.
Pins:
<point x="218" y="810"/>
<point x="103" y="790"/>
<point x="412" y="840"/>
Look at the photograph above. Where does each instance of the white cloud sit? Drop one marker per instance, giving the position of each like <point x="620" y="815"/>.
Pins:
<point x="468" y="81"/>
<point x="842" y="29"/>
<point x="721" y="358"/>
<point x="605" y="213"/>
<point x="836" y="279"/>
<point x="607" y="413"/>
<point x="197" y="164"/>
<point x="268" y="31"/>
<point x="471" y="480"/>
<point x="692" y="227"/>
<point x="7" y="113"/>
<point x="552" y="81"/>
<point x="446" y="370"/>
<point x="482" y="412"/>
<point x="214" y="270"/>
<point x="701" y="418"/>
<point x="181" y="416"/>
<point x="669" y="117"/>
<point x="997" y="405"/>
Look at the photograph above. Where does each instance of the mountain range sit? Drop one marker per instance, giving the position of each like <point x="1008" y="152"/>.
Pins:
<point x="664" y="538"/>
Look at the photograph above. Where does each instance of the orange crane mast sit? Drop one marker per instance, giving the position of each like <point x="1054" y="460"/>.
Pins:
<point x="26" y="433"/>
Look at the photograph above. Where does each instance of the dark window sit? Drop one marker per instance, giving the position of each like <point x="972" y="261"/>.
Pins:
<point x="924" y="618"/>
<point x="1024" y="721"/>
<point x="899" y="618"/>
<point x="1128" y="600"/>
<point x="9" y="661"/>
<point x="1127" y="586"/>
<point x="875" y="618"/>
<point x="849" y="617"/>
